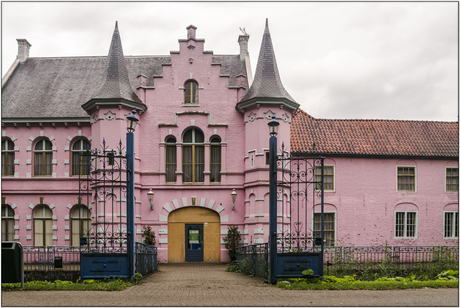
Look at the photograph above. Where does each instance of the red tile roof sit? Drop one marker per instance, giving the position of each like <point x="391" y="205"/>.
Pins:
<point x="374" y="137"/>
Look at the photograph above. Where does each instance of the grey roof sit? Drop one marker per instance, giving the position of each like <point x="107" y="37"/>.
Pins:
<point x="115" y="81"/>
<point x="267" y="82"/>
<point x="57" y="87"/>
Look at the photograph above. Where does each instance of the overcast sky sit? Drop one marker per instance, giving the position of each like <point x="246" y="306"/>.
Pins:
<point x="350" y="60"/>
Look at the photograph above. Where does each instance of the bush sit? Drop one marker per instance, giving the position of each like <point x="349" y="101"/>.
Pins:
<point x="232" y="241"/>
<point x="148" y="235"/>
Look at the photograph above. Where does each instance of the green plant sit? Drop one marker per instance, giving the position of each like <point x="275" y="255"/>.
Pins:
<point x="233" y="266"/>
<point x="232" y="241"/>
<point x="148" y="235"/>
<point x="136" y="278"/>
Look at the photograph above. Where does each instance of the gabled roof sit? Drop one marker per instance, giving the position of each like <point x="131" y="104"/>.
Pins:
<point x="115" y="81"/>
<point x="374" y="137"/>
<point x="267" y="82"/>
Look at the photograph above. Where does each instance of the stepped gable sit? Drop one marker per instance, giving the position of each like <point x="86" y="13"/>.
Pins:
<point x="267" y="82"/>
<point x="115" y="82"/>
<point x="374" y="137"/>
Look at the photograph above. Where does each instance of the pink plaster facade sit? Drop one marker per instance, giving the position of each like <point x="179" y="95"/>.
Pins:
<point x="364" y="200"/>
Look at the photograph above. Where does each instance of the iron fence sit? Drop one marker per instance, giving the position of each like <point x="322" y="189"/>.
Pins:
<point x="253" y="260"/>
<point x="67" y="258"/>
<point x="146" y="259"/>
<point x="399" y="257"/>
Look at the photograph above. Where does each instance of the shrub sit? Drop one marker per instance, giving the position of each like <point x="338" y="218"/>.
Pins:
<point x="232" y="241"/>
<point x="148" y="235"/>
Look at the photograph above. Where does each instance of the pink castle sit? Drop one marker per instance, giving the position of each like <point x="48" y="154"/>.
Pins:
<point x="202" y="141"/>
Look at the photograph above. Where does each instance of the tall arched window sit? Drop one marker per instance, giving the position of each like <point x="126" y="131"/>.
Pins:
<point x="215" y="159"/>
<point x="43" y="156"/>
<point x="171" y="160"/>
<point x="43" y="226"/>
<point x="193" y="156"/>
<point x="7" y="157"/>
<point x="80" y="145"/>
<point x="7" y="223"/>
<point x="191" y="92"/>
<point x="80" y="223"/>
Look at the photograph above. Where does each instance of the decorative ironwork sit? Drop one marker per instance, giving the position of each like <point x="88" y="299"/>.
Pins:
<point x="146" y="259"/>
<point x="104" y="187"/>
<point x="253" y="260"/>
<point x="299" y="195"/>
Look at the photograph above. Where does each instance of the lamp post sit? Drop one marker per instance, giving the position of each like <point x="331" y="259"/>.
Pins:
<point x="233" y="194"/>
<point x="272" y="240"/>
<point x="150" y="196"/>
<point x="132" y="122"/>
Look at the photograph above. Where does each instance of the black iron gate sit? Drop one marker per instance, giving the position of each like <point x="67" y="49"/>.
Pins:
<point x="300" y="215"/>
<point x="103" y="235"/>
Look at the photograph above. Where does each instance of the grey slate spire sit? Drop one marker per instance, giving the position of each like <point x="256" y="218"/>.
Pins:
<point x="115" y="82"/>
<point x="267" y="82"/>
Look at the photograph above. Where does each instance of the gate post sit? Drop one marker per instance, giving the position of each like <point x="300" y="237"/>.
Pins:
<point x="273" y="126"/>
<point x="132" y="121"/>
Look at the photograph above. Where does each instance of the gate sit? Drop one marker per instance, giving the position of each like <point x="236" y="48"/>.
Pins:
<point x="103" y="236"/>
<point x="299" y="236"/>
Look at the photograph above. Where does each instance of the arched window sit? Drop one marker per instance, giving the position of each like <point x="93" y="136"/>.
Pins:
<point x="7" y="223"/>
<point x="43" y="156"/>
<point x="80" y="145"/>
<point x="171" y="160"/>
<point x="81" y="223"/>
<point x="216" y="151"/>
<point x="191" y="92"/>
<point x="193" y="156"/>
<point x="43" y="226"/>
<point x="7" y="157"/>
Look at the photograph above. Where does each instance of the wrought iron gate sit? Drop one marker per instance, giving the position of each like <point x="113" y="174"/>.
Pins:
<point x="103" y="236"/>
<point x="299" y="235"/>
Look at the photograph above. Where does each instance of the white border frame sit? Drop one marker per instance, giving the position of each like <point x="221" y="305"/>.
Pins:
<point x="335" y="225"/>
<point x="445" y="181"/>
<point x="444" y="225"/>
<point x="415" y="179"/>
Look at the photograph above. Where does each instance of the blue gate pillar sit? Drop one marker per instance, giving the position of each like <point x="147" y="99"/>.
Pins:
<point x="132" y="121"/>
<point x="273" y="126"/>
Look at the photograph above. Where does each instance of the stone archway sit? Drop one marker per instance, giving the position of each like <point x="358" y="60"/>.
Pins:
<point x="177" y="220"/>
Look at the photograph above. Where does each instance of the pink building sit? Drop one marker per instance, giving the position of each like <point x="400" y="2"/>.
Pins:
<point x="202" y="138"/>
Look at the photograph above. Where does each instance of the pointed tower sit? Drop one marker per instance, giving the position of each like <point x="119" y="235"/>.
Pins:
<point x="113" y="99"/>
<point x="265" y="97"/>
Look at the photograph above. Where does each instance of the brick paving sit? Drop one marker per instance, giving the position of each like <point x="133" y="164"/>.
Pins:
<point x="198" y="284"/>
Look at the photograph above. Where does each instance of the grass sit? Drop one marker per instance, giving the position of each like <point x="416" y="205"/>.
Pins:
<point x="108" y="284"/>
<point x="368" y="285"/>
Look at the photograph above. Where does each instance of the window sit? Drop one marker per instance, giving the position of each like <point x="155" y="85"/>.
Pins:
<point x="406" y="178"/>
<point x="451" y="224"/>
<point x="329" y="228"/>
<point x="43" y="156"/>
<point x="80" y="223"/>
<point x="7" y="157"/>
<point x="193" y="156"/>
<point x="267" y="158"/>
<point x="43" y="226"/>
<point x="328" y="178"/>
<point x="171" y="160"/>
<point x="452" y="179"/>
<point x="79" y="146"/>
<point x="191" y="92"/>
<point x="406" y="224"/>
<point x="7" y="223"/>
<point x="215" y="159"/>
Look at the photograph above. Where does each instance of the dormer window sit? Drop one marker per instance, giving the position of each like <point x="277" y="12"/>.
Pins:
<point x="191" y="92"/>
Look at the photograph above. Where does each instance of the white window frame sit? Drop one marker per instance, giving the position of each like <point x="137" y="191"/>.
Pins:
<point x="444" y="225"/>
<point x="335" y="225"/>
<point x="405" y="225"/>
<point x="333" y="176"/>
<point x="445" y="180"/>
<point x="415" y="179"/>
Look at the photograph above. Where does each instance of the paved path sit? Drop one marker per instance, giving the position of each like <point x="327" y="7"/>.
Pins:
<point x="199" y="284"/>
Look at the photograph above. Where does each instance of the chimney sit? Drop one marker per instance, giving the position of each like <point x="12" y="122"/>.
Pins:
<point x="243" y="41"/>
<point x="23" y="49"/>
<point x="191" y="32"/>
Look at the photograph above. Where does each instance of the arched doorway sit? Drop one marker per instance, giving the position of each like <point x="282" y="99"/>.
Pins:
<point x="193" y="235"/>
